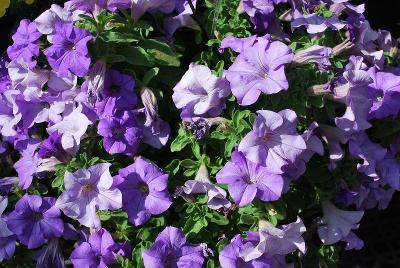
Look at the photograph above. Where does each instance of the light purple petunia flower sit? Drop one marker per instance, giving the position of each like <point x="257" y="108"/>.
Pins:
<point x="8" y="119"/>
<point x="202" y="185"/>
<point x="277" y="240"/>
<point x="384" y="92"/>
<point x="139" y="7"/>
<point x="316" y="54"/>
<point x="26" y="44"/>
<point x="144" y="190"/>
<point x="52" y="147"/>
<point x="87" y="190"/>
<point x="353" y="242"/>
<point x="5" y="81"/>
<point x="27" y="165"/>
<point x="247" y="180"/>
<point x="118" y="94"/>
<point x="7" y="238"/>
<point x="172" y="250"/>
<point x="259" y="68"/>
<point x="239" y="44"/>
<point x="200" y="93"/>
<point x="317" y="24"/>
<point x="50" y="255"/>
<point x="35" y="219"/>
<point x="230" y="256"/>
<point x="72" y="127"/>
<point x="69" y="52"/>
<point x="183" y="19"/>
<point x="98" y="251"/>
<point x="337" y="224"/>
<point x="121" y="133"/>
<point x="274" y="141"/>
<point x="96" y="6"/>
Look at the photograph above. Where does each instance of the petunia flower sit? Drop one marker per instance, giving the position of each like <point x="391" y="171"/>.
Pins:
<point x="140" y="7"/>
<point x="144" y="190"/>
<point x="72" y="128"/>
<point x="96" y="6"/>
<point x="277" y="240"/>
<point x="183" y="19"/>
<point x="247" y="180"/>
<point x="68" y="52"/>
<point x="353" y="242"/>
<point x="259" y="69"/>
<point x="172" y="250"/>
<point x="35" y="219"/>
<point x="317" y="24"/>
<point x="230" y="256"/>
<point x="385" y="94"/>
<point x="118" y="94"/>
<point x="337" y="224"/>
<point x="121" y="133"/>
<point x="98" y="251"/>
<point x="316" y="54"/>
<point x="50" y="255"/>
<point x="52" y="147"/>
<point x="26" y="43"/>
<point x="9" y="120"/>
<point x="274" y="141"/>
<point x="87" y="190"/>
<point x="200" y="93"/>
<point x="7" y="238"/>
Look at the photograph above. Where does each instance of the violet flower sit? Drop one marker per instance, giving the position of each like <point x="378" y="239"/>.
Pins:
<point x="317" y="24"/>
<point x="68" y="52"/>
<point x="337" y="224"/>
<point x="35" y="219"/>
<point x="259" y="69"/>
<point x="385" y="94"/>
<point x="52" y="147"/>
<point x="172" y="250"/>
<point x="98" y="251"/>
<point x="50" y="256"/>
<point x="98" y="5"/>
<point x="118" y="94"/>
<point x="87" y="190"/>
<point x="26" y="45"/>
<point x="277" y="240"/>
<point x="140" y="7"/>
<point x="200" y="93"/>
<point x="7" y="238"/>
<point x="121" y="133"/>
<point x="316" y="54"/>
<point x="247" y="180"/>
<point x="353" y="242"/>
<point x="183" y="19"/>
<point x="144" y="190"/>
<point x="230" y="256"/>
<point x="274" y="141"/>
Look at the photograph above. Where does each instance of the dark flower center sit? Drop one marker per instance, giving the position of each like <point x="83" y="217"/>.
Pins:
<point x="379" y="96"/>
<point x="37" y="215"/>
<point x="118" y="132"/>
<point x="87" y="188"/>
<point x="144" y="188"/>
<point x="266" y="138"/>
<point x="114" y="89"/>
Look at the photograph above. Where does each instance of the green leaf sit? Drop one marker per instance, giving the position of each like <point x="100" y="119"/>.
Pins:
<point x="173" y="167"/>
<point x="181" y="141"/>
<point x="135" y="56"/>
<point x="161" y="53"/>
<point x="149" y="75"/>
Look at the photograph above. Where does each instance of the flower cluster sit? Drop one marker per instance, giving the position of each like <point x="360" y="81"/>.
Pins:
<point x="176" y="133"/>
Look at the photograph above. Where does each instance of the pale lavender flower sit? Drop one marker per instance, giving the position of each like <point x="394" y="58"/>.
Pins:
<point x="200" y="93"/>
<point x="247" y="180"/>
<point x="98" y="5"/>
<point x="140" y="7"/>
<point x="317" y="24"/>
<point x="316" y="54"/>
<point x="7" y="238"/>
<point x="259" y="69"/>
<point x="274" y="141"/>
<point x="72" y="127"/>
<point x="183" y="19"/>
<point x="336" y="224"/>
<point x="87" y="190"/>
<point x="277" y="240"/>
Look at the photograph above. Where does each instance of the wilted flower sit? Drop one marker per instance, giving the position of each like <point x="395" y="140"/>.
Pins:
<point x="87" y="190"/>
<point x="144" y="190"/>
<point x="259" y="69"/>
<point x="247" y="180"/>
<point x="35" y="219"/>
<point x="172" y="249"/>
<point x="316" y="54"/>
<point x="200" y="93"/>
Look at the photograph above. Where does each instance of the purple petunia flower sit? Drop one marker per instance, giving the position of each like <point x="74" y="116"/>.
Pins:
<point x="52" y="147"/>
<point x="230" y="256"/>
<point x="5" y="80"/>
<point x="139" y="7"/>
<point x="317" y="24"/>
<point x="98" y="251"/>
<point x="118" y="94"/>
<point x="276" y="240"/>
<point x="68" y="52"/>
<point x="337" y="224"/>
<point x="35" y="219"/>
<point x="316" y="54"/>
<point x="385" y="94"/>
<point x="26" y="45"/>
<point x="97" y="5"/>
<point x="247" y="180"/>
<point x="183" y="19"/>
<point x="259" y="68"/>
<point x="172" y="250"/>
<point x="353" y="242"/>
<point x="144" y="188"/>
<point x="121" y="133"/>
<point x="200" y="93"/>
<point x="27" y="165"/>
<point x="87" y="190"/>
<point x="7" y="238"/>
<point x="50" y="255"/>
<point x="274" y="141"/>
